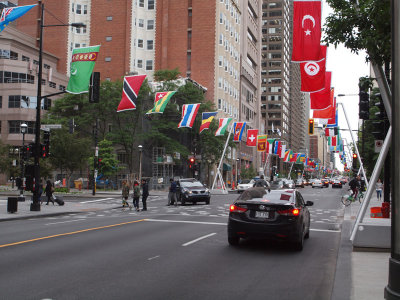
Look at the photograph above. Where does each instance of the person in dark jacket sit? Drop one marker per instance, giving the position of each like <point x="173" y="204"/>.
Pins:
<point x="355" y="186"/>
<point x="49" y="192"/>
<point x="172" y="193"/>
<point x="145" y="193"/>
<point x="136" y="195"/>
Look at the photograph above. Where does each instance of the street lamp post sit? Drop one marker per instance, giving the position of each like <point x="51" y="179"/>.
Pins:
<point x="236" y="179"/>
<point x="23" y="131"/>
<point x="35" y="205"/>
<point x="140" y="147"/>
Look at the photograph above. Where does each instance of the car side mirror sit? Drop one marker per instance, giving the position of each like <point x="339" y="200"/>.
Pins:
<point x="309" y="203"/>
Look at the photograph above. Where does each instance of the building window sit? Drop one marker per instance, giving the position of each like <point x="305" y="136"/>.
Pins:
<point x="61" y="87"/>
<point x="13" y="55"/>
<point x="150" y="24"/>
<point x="108" y="59"/>
<point x="4" y="54"/>
<point x="25" y="58"/>
<point x="1" y="101"/>
<point x="141" y="3"/>
<point x="52" y="84"/>
<point x="140" y="43"/>
<point x="141" y="23"/>
<point x="85" y="9"/>
<point x="149" y="65"/>
<point x="109" y="18"/>
<point x="73" y="7"/>
<point x="108" y="38"/>
<point x="150" y="45"/>
<point x="77" y="45"/>
<point x="140" y="63"/>
<point x="78" y="9"/>
<point x="219" y="104"/>
<point x="150" y="4"/>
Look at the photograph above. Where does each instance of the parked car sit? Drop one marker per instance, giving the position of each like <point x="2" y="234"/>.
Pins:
<point x="275" y="215"/>
<point x="317" y="183"/>
<point x="244" y="185"/>
<point x="299" y="183"/>
<point x="288" y="183"/>
<point x="337" y="184"/>
<point x="192" y="190"/>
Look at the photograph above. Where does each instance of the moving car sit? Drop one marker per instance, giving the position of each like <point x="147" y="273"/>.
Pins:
<point x="325" y="182"/>
<point x="276" y="185"/>
<point x="192" y="190"/>
<point x="275" y="215"/>
<point x="244" y="185"/>
<point x="337" y="183"/>
<point x="317" y="183"/>
<point x="299" y="183"/>
<point x="288" y="183"/>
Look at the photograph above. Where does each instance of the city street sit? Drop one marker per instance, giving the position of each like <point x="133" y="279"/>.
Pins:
<point x="166" y="253"/>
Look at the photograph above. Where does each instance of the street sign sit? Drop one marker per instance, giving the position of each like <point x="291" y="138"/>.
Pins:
<point x="378" y="145"/>
<point x="51" y="126"/>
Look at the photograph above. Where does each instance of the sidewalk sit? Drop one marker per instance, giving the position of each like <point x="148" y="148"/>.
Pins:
<point x="24" y="212"/>
<point x="369" y="266"/>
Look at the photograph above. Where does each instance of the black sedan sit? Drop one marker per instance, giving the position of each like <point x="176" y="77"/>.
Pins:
<point x="275" y="215"/>
<point x="337" y="184"/>
<point x="192" y="190"/>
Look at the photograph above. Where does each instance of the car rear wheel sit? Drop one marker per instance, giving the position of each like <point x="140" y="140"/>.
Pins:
<point x="298" y="245"/>
<point x="233" y="240"/>
<point x="183" y="201"/>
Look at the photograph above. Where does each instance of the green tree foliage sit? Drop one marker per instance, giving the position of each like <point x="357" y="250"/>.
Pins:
<point x="361" y="25"/>
<point x="248" y="173"/>
<point x="109" y="164"/>
<point x="5" y="159"/>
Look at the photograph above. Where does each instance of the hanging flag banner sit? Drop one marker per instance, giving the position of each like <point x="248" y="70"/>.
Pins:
<point x="278" y="147"/>
<point x="333" y="122"/>
<point x="252" y="137"/>
<point x="223" y="125"/>
<point x="312" y="73"/>
<point x="332" y="141"/>
<point x="322" y="99"/>
<point x="306" y="30"/>
<point x="270" y="146"/>
<point x="283" y="150"/>
<point x="10" y="14"/>
<point x="261" y="142"/>
<point x="300" y="159"/>
<point x="82" y="65"/>
<point x="130" y="91"/>
<point x="326" y="113"/>
<point x="161" y="101"/>
<point x="206" y="119"/>
<point x="287" y="155"/>
<point x="189" y="112"/>
<point x="238" y="128"/>
<point x="294" y="157"/>
<point x="330" y="131"/>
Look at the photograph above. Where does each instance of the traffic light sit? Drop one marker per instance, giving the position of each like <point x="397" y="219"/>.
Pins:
<point x="46" y="146"/>
<point x="311" y="126"/>
<point x="191" y="162"/>
<point x="354" y="165"/>
<point x="379" y="122"/>
<point x="30" y="150"/>
<point x="363" y="112"/>
<point x="25" y="153"/>
<point x="94" y="88"/>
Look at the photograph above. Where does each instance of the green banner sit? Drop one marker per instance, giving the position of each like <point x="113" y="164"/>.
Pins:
<point x="82" y="65"/>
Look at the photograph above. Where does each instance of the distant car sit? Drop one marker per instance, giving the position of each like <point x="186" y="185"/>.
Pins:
<point x="317" y="183"/>
<point x="289" y="184"/>
<point x="325" y="182"/>
<point x="192" y="190"/>
<point x="274" y="215"/>
<point x="244" y="185"/>
<point x="337" y="184"/>
<point x="299" y="183"/>
<point x="276" y="185"/>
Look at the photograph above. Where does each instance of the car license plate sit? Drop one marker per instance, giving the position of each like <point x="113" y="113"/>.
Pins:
<point x="262" y="214"/>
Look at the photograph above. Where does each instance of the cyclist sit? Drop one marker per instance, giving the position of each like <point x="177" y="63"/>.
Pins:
<point x="355" y="186"/>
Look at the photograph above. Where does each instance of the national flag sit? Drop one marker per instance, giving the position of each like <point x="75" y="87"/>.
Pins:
<point x="238" y="128"/>
<point x="10" y="14"/>
<point x="286" y="158"/>
<point x="189" y="112"/>
<point x="306" y="30"/>
<point x="326" y="113"/>
<point x="206" y="119"/>
<point x="294" y="157"/>
<point x="333" y="122"/>
<point x="283" y="150"/>
<point x="312" y="73"/>
<point x="307" y="161"/>
<point x="322" y="99"/>
<point x="82" y="65"/>
<point x="277" y="147"/>
<point x="300" y="158"/>
<point x="261" y="142"/>
<point x="223" y="125"/>
<point x="332" y="141"/>
<point x="272" y="128"/>
<point x="330" y="131"/>
<point x="160" y="102"/>
<point x="130" y="92"/>
<point x="270" y="146"/>
<point x="252" y="137"/>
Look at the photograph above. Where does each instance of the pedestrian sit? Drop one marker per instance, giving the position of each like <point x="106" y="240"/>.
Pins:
<point x="125" y="195"/>
<point x="379" y="188"/>
<point x="172" y="192"/>
<point x="355" y="185"/>
<point x="40" y="191"/>
<point x="261" y="183"/>
<point x="49" y="189"/>
<point x="145" y="193"/>
<point x="136" y="195"/>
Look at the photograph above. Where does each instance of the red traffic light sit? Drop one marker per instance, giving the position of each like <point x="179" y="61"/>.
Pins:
<point x="354" y="155"/>
<point x="191" y="160"/>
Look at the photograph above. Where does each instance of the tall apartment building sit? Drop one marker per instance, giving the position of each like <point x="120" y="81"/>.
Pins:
<point x="124" y="29"/>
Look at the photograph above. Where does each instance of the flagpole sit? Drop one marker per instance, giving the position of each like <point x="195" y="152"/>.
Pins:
<point x="220" y="162"/>
<point x="290" y="171"/>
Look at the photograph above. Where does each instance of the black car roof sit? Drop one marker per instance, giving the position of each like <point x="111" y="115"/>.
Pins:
<point x="259" y="194"/>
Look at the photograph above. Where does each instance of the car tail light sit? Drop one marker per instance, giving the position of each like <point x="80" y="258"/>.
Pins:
<point x="238" y="209"/>
<point x="289" y="212"/>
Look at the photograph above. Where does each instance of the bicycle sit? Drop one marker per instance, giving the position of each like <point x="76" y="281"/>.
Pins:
<point x="348" y="199"/>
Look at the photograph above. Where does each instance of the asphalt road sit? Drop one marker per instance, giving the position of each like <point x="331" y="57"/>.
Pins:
<point x="166" y="253"/>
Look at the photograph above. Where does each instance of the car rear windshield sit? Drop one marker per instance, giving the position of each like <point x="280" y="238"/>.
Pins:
<point x="260" y="194"/>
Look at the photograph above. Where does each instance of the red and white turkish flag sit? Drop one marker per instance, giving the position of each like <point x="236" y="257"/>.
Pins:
<point x="313" y="73"/>
<point x="322" y="99"/>
<point x="252" y="137"/>
<point x="306" y="30"/>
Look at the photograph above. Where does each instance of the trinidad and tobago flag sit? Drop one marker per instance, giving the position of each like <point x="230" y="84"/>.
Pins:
<point x="130" y="92"/>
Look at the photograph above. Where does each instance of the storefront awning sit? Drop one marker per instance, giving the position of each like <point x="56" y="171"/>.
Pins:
<point x="226" y="167"/>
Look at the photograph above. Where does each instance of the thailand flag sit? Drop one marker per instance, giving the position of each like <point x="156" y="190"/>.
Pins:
<point x="189" y="112"/>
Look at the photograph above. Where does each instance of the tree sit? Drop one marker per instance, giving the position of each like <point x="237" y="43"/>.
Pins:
<point x="248" y="173"/>
<point x="108" y="163"/>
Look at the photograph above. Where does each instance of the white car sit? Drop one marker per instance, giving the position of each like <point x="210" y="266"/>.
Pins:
<point x="245" y="184"/>
<point x="317" y="183"/>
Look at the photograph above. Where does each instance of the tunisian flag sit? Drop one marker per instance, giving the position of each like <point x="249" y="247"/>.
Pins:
<point x="252" y="137"/>
<point x="306" y="30"/>
<point x="313" y="73"/>
<point x="322" y="99"/>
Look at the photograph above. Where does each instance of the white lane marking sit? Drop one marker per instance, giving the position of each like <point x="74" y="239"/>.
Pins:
<point x="198" y="239"/>
<point x="151" y="258"/>
<point x="324" y="230"/>
<point x="65" y="222"/>
<point x="98" y="200"/>
<point x="190" y="222"/>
